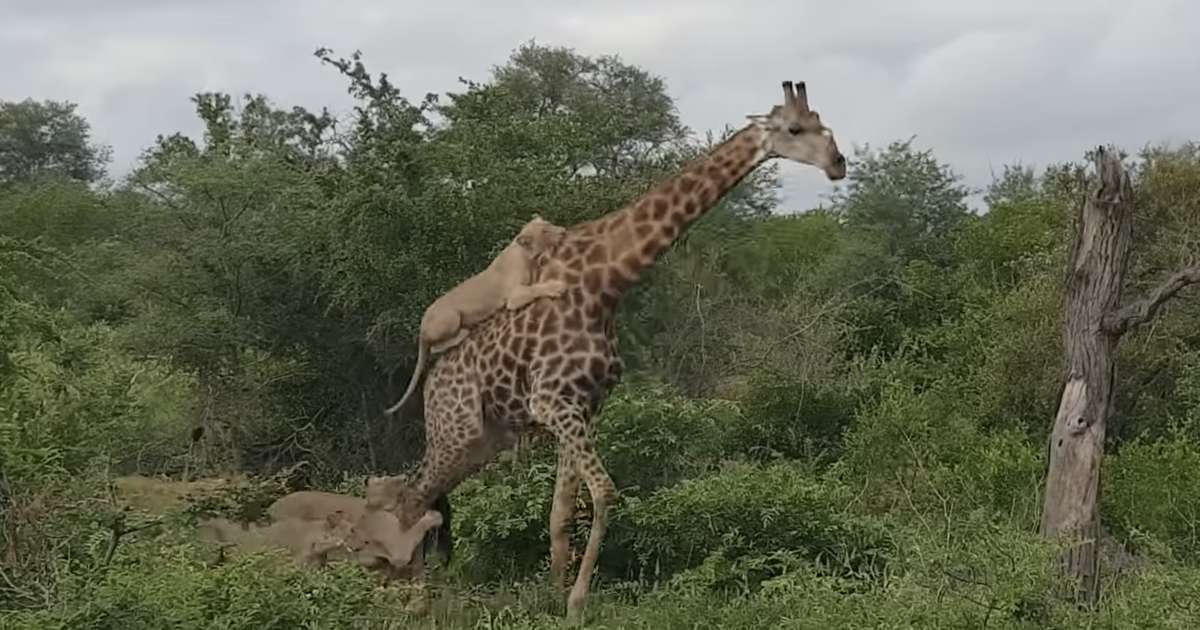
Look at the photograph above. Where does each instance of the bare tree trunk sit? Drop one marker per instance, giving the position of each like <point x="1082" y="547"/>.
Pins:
<point x="1094" y="322"/>
<point x="1096" y="273"/>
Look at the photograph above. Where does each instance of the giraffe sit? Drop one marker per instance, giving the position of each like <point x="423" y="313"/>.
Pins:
<point x="550" y="365"/>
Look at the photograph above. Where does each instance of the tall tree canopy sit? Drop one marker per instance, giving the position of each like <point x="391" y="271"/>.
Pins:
<point x="47" y="138"/>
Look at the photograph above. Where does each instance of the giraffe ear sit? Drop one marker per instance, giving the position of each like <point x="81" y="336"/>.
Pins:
<point x="525" y="240"/>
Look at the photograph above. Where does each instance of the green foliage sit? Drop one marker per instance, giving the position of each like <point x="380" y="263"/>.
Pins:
<point x="783" y="254"/>
<point x="58" y="212"/>
<point x="789" y="418"/>
<point x="996" y="360"/>
<point x="997" y="245"/>
<point x="750" y="511"/>
<point x="904" y="198"/>
<point x="990" y="578"/>
<point x="1151" y="498"/>
<point x="651" y="423"/>
<point x="47" y="139"/>
<point x="1017" y="183"/>
<point x="71" y="397"/>
<point x="916" y="455"/>
<point x="500" y="515"/>
<point x="500" y="520"/>
<point x="169" y="587"/>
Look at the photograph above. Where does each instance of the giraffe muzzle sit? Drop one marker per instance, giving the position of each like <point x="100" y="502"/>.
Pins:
<point x="837" y="169"/>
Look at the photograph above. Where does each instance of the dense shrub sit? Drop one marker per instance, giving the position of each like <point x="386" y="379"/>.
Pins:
<point x="791" y="419"/>
<point x="170" y="587"/>
<point x="650" y="436"/>
<point x="750" y="511"/>
<point x="501" y="517"/>
<point x="75" y="409"/>
<point x="69" y="395"/>
<point x="1152" y="494"/>
<point x="915" y="455"/>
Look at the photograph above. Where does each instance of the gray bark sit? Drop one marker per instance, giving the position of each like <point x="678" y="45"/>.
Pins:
<point x="1096" y="273"/>
<point x="1093" y="324"/>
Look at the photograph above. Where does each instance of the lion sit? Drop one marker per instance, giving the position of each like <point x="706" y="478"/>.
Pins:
<point x="313" y="526"/>
<point x="504" y="284"/>
<point x="309" y="542"/>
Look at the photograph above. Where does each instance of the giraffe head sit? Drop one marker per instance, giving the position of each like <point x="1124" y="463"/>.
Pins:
<point x="795" y="132"/>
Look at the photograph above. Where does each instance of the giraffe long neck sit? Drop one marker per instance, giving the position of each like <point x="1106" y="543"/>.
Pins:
<point x="630" y="240"/>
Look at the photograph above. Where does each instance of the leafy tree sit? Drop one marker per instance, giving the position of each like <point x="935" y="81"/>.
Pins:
<point x="905" y="199"/>
<point x="221" y="270"/>
<point x="433" y="190"/>
<point x="47" y="138"/>
<point x="1016" y="183"/>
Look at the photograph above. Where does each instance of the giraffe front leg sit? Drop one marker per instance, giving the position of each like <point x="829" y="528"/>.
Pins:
<point x="562" y="512"/>
<point x="601" y="487"/>
<point x="571" y="425"/>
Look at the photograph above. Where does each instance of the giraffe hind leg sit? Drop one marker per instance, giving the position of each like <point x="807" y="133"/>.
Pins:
<point x="562" y="513"/>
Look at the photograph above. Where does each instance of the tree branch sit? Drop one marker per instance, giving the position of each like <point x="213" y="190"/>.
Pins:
<point x="179" y="213"/>
<point x="1139" y="312"/>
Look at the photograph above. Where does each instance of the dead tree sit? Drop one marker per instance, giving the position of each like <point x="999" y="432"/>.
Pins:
<point x="1094" y="321"/>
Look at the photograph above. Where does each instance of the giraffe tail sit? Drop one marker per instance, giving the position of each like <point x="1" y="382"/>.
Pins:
<point x="422" y="353"/>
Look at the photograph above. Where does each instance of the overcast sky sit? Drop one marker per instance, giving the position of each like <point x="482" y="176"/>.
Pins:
<point x="983" y="83"/>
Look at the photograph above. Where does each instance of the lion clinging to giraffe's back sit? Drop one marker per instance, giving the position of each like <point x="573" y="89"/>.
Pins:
<point x="505" y="283"/>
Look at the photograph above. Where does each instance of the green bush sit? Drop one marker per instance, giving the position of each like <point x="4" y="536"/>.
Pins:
<point x="980" y="576"/>
<point x="70" y="395"/>
<point x="500" y="523"/>
<point x="789" y="418"/>
<point x="650" y="436"/>
<point x="914" y="454"/>
<point x="751" y="511"/>
<point x="977" y="574"/>
<point x="74" y="409"/>
<point x="1152" y="494"/>
<point x="155" y="587"/>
